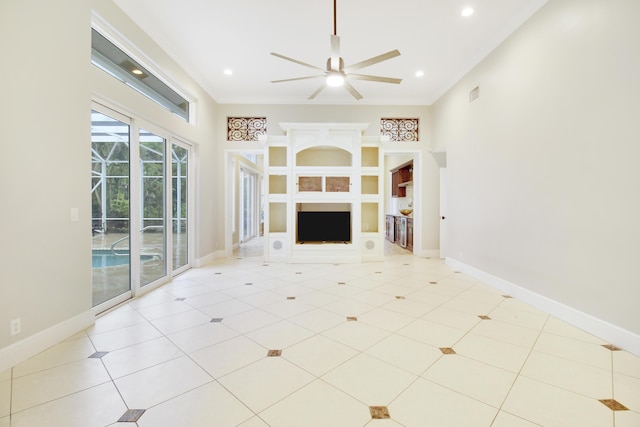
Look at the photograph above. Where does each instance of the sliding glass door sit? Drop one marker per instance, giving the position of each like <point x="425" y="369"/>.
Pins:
<point x="110" y="209"/>
<point x="133" y="172"/>
<point x="180" y="205"/>
<point x="153" y="241"/>
<point x="249" y="210"/>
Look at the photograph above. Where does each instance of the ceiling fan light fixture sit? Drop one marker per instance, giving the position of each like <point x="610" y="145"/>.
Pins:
<point x="336" y="73"/>
<point x="335" y="79"/>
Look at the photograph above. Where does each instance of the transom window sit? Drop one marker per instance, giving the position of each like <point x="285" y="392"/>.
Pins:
<point x="114" y="61"/>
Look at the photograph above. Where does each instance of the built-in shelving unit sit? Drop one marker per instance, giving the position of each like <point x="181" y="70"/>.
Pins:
<point x="324" y="167"/>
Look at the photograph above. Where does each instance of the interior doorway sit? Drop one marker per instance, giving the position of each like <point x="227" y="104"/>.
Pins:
<point x="244" y="207"/>
<point x="412" y="199"/>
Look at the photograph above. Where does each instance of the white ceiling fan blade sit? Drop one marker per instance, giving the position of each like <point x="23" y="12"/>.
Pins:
<point x="374" y="78"/>
<point x="374" y="60"/>
<point x="296" y="78"/>
<point x="352" y="90"/>
<point x="335" y="53"/>
<point x="314" y="94"/>
<point x="286" y="58"/>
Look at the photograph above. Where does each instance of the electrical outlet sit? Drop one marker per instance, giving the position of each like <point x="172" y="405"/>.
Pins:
<point x="16" y="326"/>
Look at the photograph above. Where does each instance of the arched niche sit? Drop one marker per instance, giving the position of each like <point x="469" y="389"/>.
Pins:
<point x="324" y="155"/>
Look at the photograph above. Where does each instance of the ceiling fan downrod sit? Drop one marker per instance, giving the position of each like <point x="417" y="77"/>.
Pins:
<point x="335" y="19"/>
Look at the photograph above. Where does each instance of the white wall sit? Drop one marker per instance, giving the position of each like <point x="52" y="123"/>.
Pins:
<point x="543" y="168"/>
<point x="47" y="84"/>
<point x="45" y="121"/>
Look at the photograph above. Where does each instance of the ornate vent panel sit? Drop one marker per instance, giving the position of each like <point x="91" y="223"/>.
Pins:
<point x="400" y="129"/>
<point x="246" y="128"/>
<point x="310" y="183"/>
<point x="337" y="184"/>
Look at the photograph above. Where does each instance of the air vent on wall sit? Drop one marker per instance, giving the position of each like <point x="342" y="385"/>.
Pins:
<point x="474" y="94"/>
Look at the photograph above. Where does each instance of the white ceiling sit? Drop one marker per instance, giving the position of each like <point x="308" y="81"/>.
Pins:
<point x="208" y="36"/>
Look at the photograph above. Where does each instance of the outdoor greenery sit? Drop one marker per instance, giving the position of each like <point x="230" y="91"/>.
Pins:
<point x="113" y="199"/>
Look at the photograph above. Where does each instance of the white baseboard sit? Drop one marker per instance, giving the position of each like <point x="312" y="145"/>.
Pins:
<point x="434" y="253"/>
<point x="22" y="350"/>
<point x="613" y="334"/>
<point x="199" y="262"/>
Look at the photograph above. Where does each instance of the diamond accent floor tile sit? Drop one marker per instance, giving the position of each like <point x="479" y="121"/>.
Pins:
<point x="611" y="347"/>
<point x="447" y="350"/>
<point x="274" y="353"/>
<point x="614" y="405"/>
<point x="379" y="412"/>
<point x="98" y="354"/>
<point x="131" y="416"/>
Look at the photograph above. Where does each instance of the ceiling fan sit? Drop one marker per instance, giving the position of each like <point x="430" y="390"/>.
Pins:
<point x="336" y="73"/>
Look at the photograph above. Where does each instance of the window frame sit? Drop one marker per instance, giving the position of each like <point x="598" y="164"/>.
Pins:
<point x="149" y="67"/>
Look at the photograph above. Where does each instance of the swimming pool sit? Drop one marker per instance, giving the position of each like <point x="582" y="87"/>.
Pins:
<point x="101" y="258"/>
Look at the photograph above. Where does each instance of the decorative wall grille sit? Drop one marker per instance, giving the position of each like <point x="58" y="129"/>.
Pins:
<point x="400" y="129"/>
<point x="246" y="128"/>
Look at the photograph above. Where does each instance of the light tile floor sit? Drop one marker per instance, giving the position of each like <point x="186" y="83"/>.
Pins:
<point x="384" y="344"/>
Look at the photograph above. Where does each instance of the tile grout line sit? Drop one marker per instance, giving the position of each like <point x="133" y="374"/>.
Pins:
<point x="524" y="362"/>
<point x="11" y="396"/>
<point x="185" y="354"/>
<point x="613" y="388"/>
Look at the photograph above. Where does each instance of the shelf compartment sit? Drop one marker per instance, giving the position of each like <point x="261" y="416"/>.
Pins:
<point x="277" y="217"/>
<point x="277" y="156"/>
<point x="277" y="184"/>
<point x="369" y="184"/>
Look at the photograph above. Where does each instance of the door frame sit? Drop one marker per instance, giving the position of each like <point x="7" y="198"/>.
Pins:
<point x="390" y="150"/>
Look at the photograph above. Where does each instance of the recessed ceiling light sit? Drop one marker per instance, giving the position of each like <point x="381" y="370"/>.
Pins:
<point x="467" y="11"/>
<point x="228" y="71"/>
<point x="419" y="73"/>
<point x="136" y="71"/>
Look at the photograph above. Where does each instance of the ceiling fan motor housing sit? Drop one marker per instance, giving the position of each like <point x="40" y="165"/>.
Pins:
<point x="339" y="69"/>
